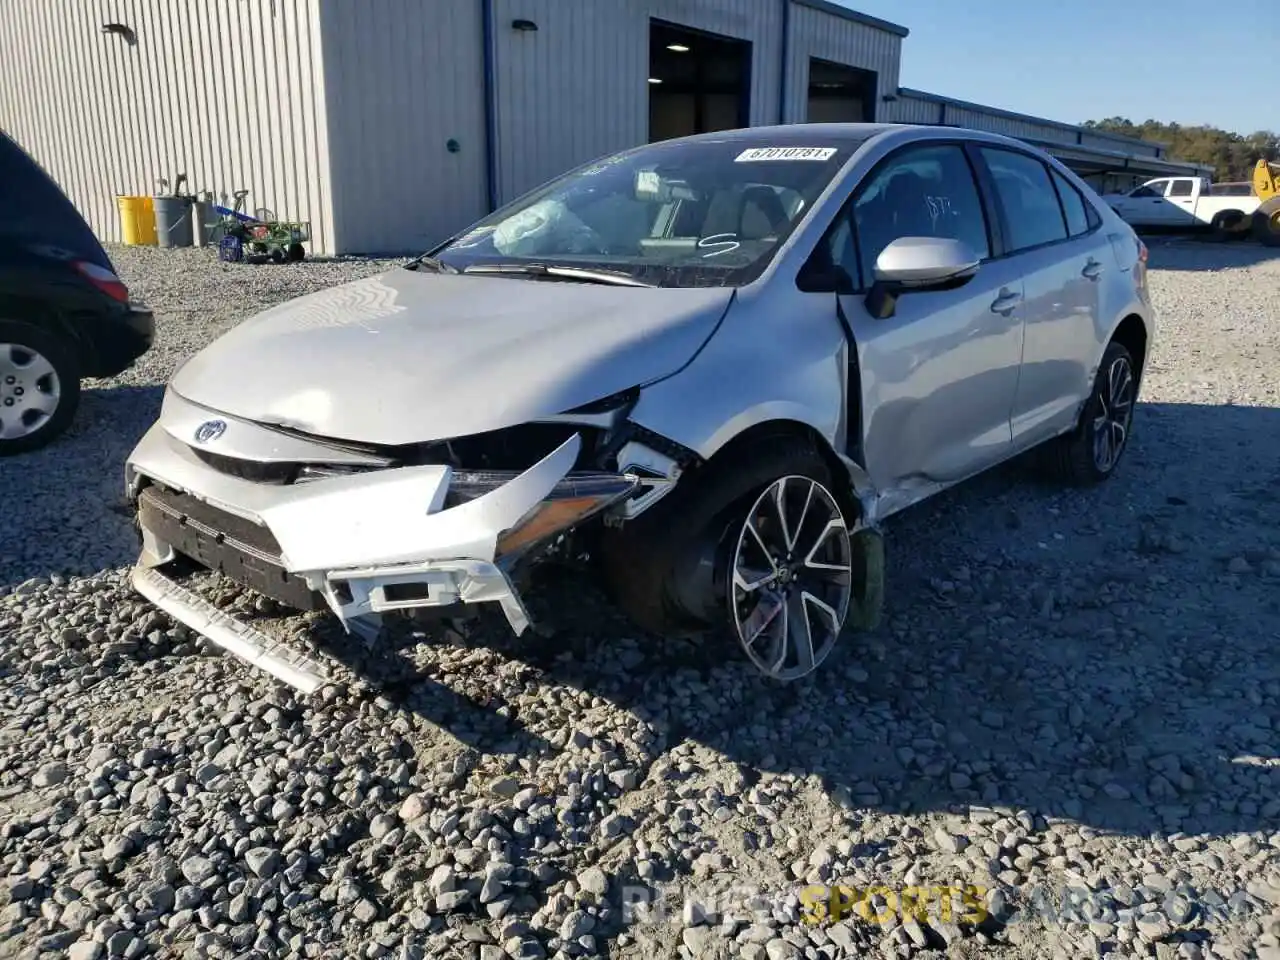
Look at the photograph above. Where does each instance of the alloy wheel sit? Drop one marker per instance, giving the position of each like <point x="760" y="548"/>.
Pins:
<point x="792" y="578"/>
<point x="29" y="391"/>
<point x="1111" y="425"/>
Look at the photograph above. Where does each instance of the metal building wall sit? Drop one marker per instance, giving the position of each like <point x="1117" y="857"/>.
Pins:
<point x="403" y="78"/>
<point x="1141" y="147"/>
<point x="577" y="87"/>
<point x="910" y="107"/>
<point x="815" y="33"/>
<point x="226" y="91"/>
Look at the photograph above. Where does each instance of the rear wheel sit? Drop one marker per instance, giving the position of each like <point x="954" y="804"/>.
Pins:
<point x="1226" y="225"/>
<point x="39" y="387"/>
<point x="1091" y="452"/>
<point x="757" y="544"/>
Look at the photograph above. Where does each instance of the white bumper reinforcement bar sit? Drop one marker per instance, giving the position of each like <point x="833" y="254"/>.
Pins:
<point x="247" y="642"/>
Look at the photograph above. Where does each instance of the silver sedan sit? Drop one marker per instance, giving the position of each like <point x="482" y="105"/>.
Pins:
<point x="717" y="364"/>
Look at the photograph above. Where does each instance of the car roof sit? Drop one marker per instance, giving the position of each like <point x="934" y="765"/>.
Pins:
<point x="849" y="134"/>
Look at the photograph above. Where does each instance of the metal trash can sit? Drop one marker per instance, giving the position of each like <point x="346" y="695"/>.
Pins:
<point x="173" y="221"/>
<point x="207" y="222"/>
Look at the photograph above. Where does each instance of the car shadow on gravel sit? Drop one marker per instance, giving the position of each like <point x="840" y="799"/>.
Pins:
<point x="72" y="520"/>
<point x="1104" y="655"/>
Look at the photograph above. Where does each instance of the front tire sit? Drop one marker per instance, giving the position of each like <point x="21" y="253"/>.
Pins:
<point x="1090" y="453"/>
<point x="757" y="543"/>
<point x="39" y="387"/>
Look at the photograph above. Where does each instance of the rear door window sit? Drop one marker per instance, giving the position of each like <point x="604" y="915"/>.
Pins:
<point x="1031" y="208"/>
<point x="1073" y="205"/>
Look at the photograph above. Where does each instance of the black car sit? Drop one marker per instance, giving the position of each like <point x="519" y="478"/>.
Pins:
<point x="64" y="314"/>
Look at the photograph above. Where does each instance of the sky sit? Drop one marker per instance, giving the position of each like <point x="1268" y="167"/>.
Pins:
<point x="1176" y="60"/>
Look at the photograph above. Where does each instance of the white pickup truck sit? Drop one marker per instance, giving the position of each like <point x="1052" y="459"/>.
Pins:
<point x="1185" y="203"/>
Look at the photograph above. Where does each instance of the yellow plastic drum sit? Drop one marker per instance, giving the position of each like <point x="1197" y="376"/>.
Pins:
<point x="137" y="221"/>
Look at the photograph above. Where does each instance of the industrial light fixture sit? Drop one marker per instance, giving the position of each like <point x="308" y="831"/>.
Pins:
<point x="527" y="26"/>
<point x="654" y="80"/>
<point x="677" y="48"/>
<point x="121" y="30"/>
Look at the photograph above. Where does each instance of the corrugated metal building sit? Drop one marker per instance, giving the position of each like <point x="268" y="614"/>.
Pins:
<point x="1108" y="161"/>
<point x="390" y="124"/>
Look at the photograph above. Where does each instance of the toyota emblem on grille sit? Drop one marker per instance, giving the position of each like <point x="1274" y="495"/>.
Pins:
<point x="210" y="430"/>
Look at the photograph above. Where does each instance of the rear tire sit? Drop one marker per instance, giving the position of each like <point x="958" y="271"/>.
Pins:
<point x="1225" y="226"/>
<point x="26" y="351"/>
<point x="671" y="568"/>
<point x="1092" y="451"/>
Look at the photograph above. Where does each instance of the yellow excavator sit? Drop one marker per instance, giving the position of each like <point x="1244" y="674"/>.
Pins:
<point x="1266" y="219"/>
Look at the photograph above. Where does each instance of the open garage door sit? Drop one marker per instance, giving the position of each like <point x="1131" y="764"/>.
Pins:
<point x="698" y="82"/>
<point x="840" y="94"/>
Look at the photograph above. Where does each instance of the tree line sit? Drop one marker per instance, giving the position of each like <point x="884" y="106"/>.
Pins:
<point x="1232" y="155"/>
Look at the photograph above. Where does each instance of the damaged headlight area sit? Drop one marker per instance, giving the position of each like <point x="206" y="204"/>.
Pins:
<point x="572" y="501"/>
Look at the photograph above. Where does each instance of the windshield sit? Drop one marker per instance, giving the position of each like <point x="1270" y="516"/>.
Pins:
<point x="678" y="214"/>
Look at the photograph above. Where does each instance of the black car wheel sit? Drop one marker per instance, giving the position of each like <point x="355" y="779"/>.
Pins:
<point x="756" y="545"/>
<point x="1091" y="452"/>
<point x="39" y="387"/>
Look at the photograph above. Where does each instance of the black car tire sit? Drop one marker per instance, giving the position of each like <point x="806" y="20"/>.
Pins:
<point x="61" y="355"/>
<point x="1070" y="458"/>
<point x="648" y="562"/>
<point x="1223" y="227"/>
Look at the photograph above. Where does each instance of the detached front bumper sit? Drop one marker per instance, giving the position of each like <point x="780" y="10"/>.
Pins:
<point x="363" y="544"/>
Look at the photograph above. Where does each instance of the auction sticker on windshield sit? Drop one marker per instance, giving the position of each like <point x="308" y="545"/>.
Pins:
<point x="785" y="153"/>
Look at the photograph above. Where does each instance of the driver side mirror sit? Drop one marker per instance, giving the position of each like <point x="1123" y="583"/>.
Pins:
<point x="915" y="264"/>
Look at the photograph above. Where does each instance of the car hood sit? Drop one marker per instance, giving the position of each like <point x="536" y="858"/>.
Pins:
<point x="408" y="356"/>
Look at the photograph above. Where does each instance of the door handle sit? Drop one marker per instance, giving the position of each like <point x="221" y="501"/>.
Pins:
<point x="1092" y="270"/>
<point x="1007" y="300"/>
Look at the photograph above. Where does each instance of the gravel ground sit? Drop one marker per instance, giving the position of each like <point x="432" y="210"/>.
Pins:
<point x="1072" y="712"/>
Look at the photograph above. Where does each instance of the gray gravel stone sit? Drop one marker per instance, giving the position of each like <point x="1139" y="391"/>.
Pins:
<point x="263" y="861"/>
<point x="51" y="774"/>
<point x="198" y="869"/>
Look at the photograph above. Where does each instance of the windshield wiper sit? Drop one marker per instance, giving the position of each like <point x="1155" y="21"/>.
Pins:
<point x="580" y="274"/>
<point x="431" y="263"/>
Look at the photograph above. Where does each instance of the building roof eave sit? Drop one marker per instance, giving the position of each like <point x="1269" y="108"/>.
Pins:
<point x="855" y="16"/>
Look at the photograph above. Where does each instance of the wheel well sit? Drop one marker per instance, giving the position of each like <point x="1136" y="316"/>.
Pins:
<point x="36" y="314"/>
<point x="772" y="429"/>
<point x="1132" y="335"/>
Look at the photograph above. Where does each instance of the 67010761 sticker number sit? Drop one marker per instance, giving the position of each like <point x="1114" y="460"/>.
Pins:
<point x="785" y="153"/>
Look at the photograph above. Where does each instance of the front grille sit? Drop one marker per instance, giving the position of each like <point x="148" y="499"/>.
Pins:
<point x="235" y="547"/>
<point x="277" y="473"/>
<point x="280" y="473"/>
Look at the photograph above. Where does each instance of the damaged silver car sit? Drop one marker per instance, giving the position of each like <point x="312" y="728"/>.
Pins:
<point x="719" y="361"/>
